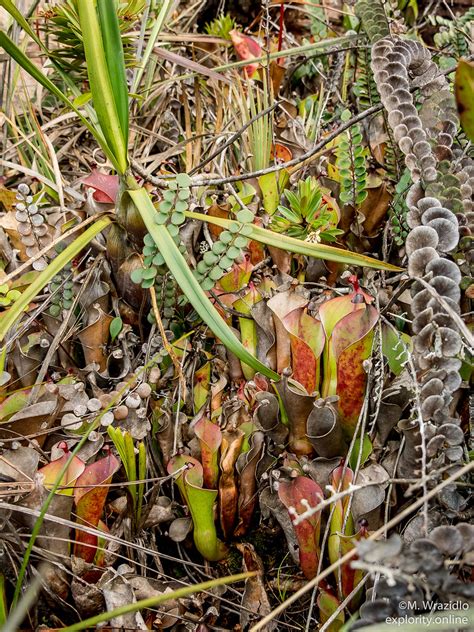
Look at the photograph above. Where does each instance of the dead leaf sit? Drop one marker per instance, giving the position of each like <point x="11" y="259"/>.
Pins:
<point x="255" y="599"/>
<point x="105" y="186"/>
<point x="375" y="208"/>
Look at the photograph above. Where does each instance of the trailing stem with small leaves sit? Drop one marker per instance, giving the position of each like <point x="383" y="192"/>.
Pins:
<point x="351" y="164"/>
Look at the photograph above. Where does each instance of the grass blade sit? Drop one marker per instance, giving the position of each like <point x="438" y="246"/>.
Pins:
<point x="101" y="83"/>
<point x="299" y="247"/>
<point x="22" y="60"/>
<point x="115" y="60"/>
<point x="152" y="602"/>
<point x="189" y="64"/>
<point x="3" y="600"/>
<point x="189" y="285"/>
<point x="11" y="316"/>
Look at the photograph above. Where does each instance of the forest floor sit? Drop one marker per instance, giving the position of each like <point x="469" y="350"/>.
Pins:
<point x="236" y="315"/>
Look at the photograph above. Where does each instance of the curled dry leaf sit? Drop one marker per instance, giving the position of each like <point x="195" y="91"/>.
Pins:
<point x="298" y="405"/>
<point x="105" y="186"/>
<point x="255" y="599"/>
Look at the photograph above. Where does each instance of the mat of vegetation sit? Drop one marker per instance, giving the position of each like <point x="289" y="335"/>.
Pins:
<point x="236" y="256"/>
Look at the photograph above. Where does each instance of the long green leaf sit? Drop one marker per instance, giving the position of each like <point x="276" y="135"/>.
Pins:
<point x="101" y="83"/>
<point x="189" y="285"/>
<point x="113" y="48"/>
<point x="3" y="600"/>
<point x="152" y="602"/>
<point x="22" y="60"/>
<point x="318" y="251"/>
<point x="13" y="314"/>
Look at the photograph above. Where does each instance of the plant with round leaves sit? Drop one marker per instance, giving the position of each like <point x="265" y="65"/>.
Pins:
<point x="447" y="188"/>
<point x="398" y="210"/>
<point x="171" y="213"/>
<point x="153" y="265"/>
<point x="7" y="295"/>
<point x="454" y="34"/>
<point x="225" y="250"/>
<point x="374" y="21"/>
<point x="32" y="225"/>
<point x="154" y="273"/>
<point x="351" y="163"/>
<point x="398" y="66"/>
<point x="61" y="289"/>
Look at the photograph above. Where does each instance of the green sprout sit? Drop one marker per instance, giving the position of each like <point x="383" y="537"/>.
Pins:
<point x="307" y="217"/>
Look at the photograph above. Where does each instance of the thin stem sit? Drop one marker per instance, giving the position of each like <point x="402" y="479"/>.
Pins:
<point x="166" y="344"/>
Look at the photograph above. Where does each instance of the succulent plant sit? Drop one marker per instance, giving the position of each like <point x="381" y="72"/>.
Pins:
<point x="61" y="289"/>
<point x="307" y="217"/>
